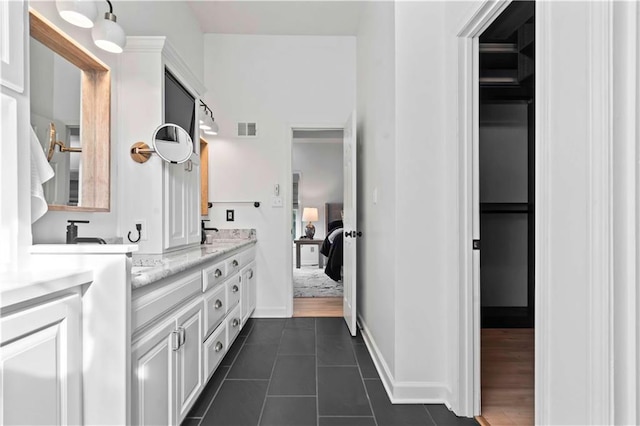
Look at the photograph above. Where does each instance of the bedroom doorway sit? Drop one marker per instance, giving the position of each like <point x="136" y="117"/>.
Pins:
<point x="316" y="227"/>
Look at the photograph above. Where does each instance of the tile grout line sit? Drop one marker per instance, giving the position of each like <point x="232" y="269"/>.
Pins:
<point x="366" y="391"/>
<point x="273" y="367"/>
<point x="315" y="342"/>
<point x="430" y="416"/>
<point x="225" y="376"/>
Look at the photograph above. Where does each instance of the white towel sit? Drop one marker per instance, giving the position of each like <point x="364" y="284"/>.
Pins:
<point x="41" y="172"/>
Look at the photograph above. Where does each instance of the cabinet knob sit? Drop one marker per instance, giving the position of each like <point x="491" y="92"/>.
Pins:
<point x="218" y="304"/>
<point x="235" y="289"/>
<point x="219" y="346"/>
<point x="234" y="263"/>
<point x="235" y="322"/>
<point x="217" y="273"/>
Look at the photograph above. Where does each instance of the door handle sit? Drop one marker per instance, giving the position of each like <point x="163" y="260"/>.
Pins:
<point x="353" y="234"/>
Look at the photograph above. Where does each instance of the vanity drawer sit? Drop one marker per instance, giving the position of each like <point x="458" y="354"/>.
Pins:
<point x="216" y="307"/>
<point x="234" y="290"/>
<point x="213" y="275"/>
<point x="166" y="297"/>
<point x="214" y="349"/>
<point x="239" y="261"/>
<point x="234" y="324"/>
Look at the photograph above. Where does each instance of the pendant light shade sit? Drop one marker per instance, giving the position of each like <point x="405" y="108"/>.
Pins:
<point x="108" y="35"/>
<point x="80" y="13"/>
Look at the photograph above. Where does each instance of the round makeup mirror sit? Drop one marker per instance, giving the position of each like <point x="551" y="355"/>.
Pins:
<point x="170" y="141"/>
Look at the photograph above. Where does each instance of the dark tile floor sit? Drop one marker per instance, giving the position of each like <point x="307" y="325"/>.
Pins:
<point x="304" y="371"/>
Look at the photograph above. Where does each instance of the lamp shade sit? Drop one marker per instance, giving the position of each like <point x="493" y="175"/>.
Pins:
<point x="108" y="35"/>
<point x="310" y="214"/>
<point x="80" y="13"/>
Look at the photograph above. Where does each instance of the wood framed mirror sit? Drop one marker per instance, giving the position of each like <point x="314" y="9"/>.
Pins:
<point x="91" y="128"/>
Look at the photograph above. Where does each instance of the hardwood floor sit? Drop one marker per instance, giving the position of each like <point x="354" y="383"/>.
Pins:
<point x="317" y="307"/>
<point x="507" y="376"/>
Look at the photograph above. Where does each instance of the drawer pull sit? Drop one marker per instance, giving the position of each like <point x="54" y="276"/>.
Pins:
<point x="217" y="273"/>
<point x="175" y="340"/>
<point x="235" y="322"/>
<point x="183" y="335"/>
<point x="218" y="304"/>
<point x="219" y="346"/>
<point x="234" y="263"/>
<point x="235" y="289"/>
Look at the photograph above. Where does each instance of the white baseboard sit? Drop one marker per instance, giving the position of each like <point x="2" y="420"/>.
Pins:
<point x="404" y="392"/>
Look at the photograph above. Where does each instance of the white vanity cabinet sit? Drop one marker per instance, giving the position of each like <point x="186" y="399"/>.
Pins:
<point x="167" y="367"/>
<point x="41" y="363"/>
<point x="249" y="290"/>
<point x="182" y="327"/>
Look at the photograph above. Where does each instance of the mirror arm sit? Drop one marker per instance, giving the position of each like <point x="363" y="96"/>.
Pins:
<point x="140" y="152"/>
<point x="61" y="146"/>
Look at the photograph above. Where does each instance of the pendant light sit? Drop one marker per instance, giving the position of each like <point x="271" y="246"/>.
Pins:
<point x="80" y="13"/>
<point x="108" y="34"/>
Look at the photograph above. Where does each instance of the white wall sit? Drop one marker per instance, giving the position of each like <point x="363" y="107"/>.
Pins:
<point x="376" y="140"/>
<point x="278" y="82"/>
<point x="136" y="18"/>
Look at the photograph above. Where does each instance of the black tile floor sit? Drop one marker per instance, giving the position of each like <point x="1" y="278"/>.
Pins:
<point x="304" y="371"/>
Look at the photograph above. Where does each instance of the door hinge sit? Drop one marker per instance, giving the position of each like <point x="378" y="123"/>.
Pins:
<point x="476" y="244"/>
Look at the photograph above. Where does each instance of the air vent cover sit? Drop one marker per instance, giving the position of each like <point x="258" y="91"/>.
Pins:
<point x="247" y="130"/>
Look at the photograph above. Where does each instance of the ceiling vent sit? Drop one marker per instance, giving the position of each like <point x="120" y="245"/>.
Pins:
<point x="247" y="130"/>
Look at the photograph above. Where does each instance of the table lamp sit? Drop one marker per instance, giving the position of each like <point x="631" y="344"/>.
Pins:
<point x="310" y="214"/>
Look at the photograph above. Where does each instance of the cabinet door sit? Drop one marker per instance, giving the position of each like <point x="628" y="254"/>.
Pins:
<point x="192" y="189"/>
<point x="41" y="364"/>
<point x="248" y="291"/>
<point x="189" y="356"/>
<point x="12" y="16"/>
<point x="234" y="290"/>
<point x="176" y="205"/>
<point x="182" y="221"/>
<point x="153" y="387"/>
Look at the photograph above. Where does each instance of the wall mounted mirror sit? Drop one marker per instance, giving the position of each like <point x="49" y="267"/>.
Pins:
<point x="171" y="142"/>
<point x="70" y="93"/>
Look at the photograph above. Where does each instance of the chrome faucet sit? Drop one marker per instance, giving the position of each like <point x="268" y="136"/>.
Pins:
<point x="72" y="234"/>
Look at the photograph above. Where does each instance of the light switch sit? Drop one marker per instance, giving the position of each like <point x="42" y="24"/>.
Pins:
<point x="230" y="215"/>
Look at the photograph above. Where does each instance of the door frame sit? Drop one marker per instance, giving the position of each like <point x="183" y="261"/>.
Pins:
<point x="468" y="189"/>
<point x="598" y="255"/>
<point x="288" y="197"/>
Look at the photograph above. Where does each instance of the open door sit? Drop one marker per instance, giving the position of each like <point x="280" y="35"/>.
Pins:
<point x="350" y="224"/>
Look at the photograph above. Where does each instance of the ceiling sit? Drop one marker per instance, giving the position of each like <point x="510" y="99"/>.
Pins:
<point x="310" y="17"/>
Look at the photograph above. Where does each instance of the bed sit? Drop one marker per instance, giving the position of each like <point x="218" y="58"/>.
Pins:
<point x="332" y="244"/>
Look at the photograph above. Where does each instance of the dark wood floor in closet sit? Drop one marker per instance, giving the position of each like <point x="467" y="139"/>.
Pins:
<point x="507" y="368"/>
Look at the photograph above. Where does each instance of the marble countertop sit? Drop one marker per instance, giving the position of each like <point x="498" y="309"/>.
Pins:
<point x="83" y="248"/>
<point x="30" y="284"/>
<point x="149" y="268"/>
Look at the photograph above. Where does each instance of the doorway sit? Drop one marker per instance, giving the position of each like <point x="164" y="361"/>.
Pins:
<point x="506" y="178"/>
<point x="316" y="221"/>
